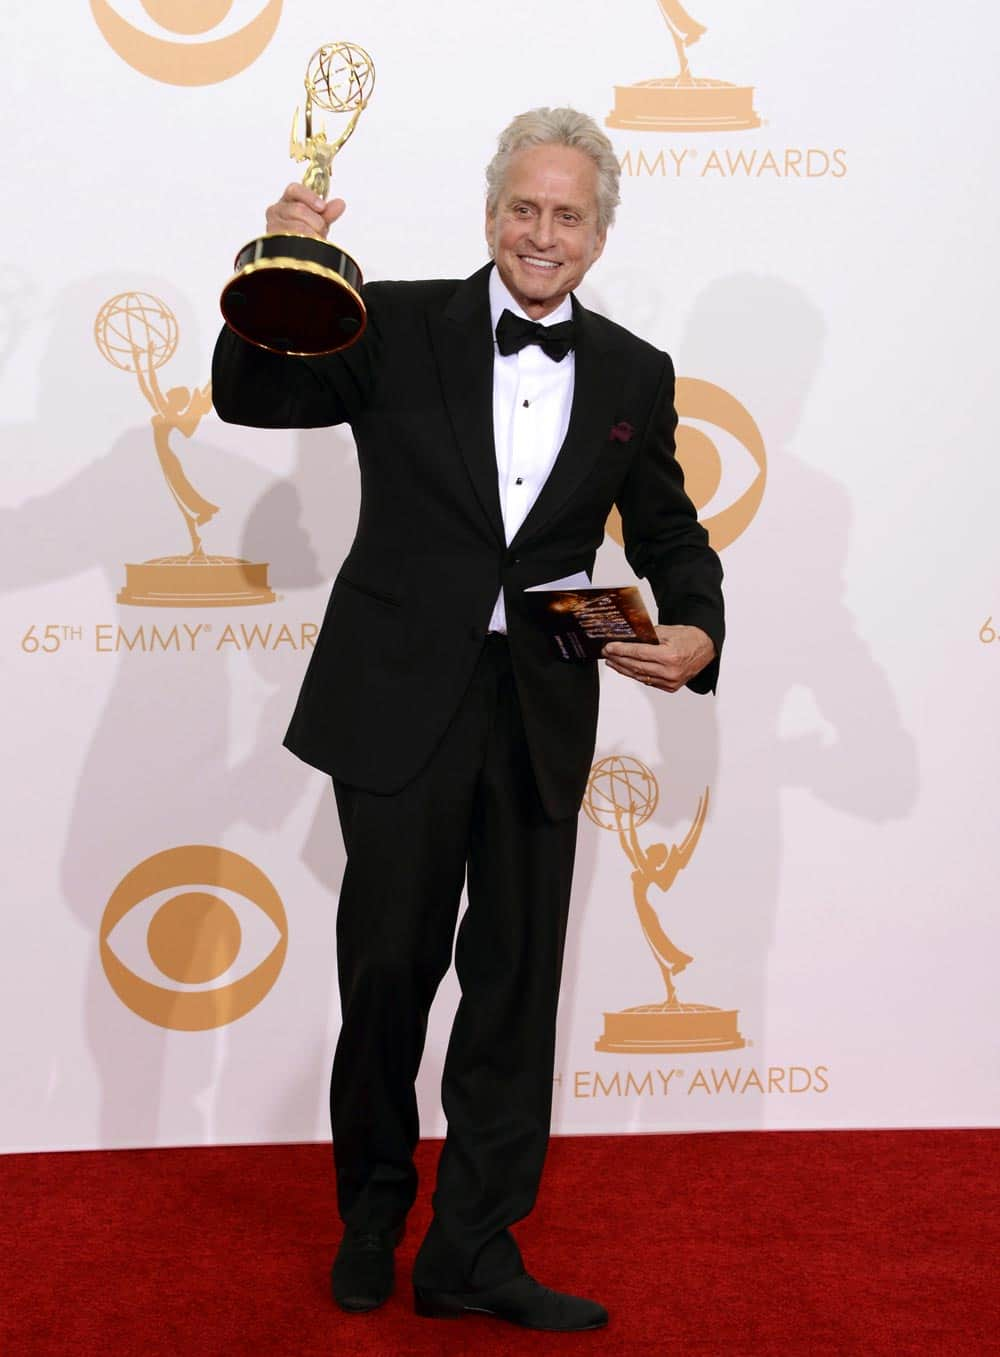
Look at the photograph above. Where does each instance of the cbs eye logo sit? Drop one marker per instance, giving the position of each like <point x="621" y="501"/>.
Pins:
<point x="193" y="938"/>
<point x="722" y="455"/>
<point x="187" y="62"/>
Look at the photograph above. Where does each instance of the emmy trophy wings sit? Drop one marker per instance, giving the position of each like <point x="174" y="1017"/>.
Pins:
<point x="659" y="865"/>
<point x="680" y="855"/>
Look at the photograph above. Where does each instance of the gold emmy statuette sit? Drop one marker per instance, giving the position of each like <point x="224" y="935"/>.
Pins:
<point x="136" y="332"/>
<point x="295" y="293"/>
<point x="621" y="796"/>
<point x="683" y="102"/>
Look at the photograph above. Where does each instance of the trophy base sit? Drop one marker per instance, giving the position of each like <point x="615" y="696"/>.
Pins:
<point x="296" y="295"/>
<point x="668" y="106"/>
<point x="196" y="582"/>
<point x="684" y="1028"/>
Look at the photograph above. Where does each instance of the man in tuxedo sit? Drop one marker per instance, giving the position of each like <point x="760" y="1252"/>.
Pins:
<point x="497" y="421"/>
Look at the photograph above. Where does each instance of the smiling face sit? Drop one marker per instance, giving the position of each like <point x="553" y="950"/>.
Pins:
<point x="543" y="233"/>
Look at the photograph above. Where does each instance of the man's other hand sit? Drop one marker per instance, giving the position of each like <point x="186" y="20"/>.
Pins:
<point x="299" y="211"/>
<point x="682" y="653"/>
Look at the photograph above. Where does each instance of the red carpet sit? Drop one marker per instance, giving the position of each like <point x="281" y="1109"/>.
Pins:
<point x="745" y="1244"/>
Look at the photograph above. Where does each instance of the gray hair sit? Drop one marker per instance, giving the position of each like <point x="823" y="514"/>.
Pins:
<point x="561" y="127"/>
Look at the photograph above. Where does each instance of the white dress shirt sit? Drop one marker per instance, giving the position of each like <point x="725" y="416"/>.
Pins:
<point x="532" y="398"/>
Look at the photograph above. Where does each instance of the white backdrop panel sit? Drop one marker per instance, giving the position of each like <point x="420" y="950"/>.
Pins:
<point x="831" y="270"/>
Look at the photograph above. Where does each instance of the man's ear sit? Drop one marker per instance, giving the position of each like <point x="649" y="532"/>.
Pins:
<point x="489" y="229"/>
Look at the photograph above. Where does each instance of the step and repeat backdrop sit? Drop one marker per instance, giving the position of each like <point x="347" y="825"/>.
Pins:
<point x="808" y="226"/>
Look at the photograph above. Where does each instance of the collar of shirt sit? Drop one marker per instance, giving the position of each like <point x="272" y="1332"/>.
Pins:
<point x="501" y="300"/>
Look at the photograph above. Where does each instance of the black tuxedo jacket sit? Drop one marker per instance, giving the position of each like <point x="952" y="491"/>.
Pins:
<point x="410" y="606"/>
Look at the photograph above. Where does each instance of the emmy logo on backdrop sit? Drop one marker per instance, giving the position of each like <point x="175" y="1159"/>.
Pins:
<point x="136" y="332"/>
<point x="683" y="102"/>
<point x="700" y="406"/>
<point x="622" y="795"/>
<point x="193" y="938"/>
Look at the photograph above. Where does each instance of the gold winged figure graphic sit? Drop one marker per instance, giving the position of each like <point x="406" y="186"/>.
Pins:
<point x="179" y="410"/>
<point x="622" y="796"/>
<point x="137" y="332"/>
<point x="658" y="866"/>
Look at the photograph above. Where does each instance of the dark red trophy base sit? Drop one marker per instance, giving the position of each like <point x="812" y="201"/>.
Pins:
<point x="296" y="295"/>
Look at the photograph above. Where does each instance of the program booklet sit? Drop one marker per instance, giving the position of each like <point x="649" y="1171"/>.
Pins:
<point x="580" y="621"/>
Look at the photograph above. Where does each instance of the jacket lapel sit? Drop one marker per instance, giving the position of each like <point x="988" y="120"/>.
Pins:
<point x="597" y="381"/>
<point x="462" y="340"/>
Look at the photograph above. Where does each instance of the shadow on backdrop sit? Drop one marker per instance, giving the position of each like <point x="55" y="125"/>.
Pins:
<point x="802" y="703"/>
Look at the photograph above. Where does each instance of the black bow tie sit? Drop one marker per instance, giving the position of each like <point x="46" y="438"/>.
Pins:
<point x="514" y="332"/>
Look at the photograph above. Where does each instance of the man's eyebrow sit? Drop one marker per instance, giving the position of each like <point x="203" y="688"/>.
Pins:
<point x="560" y="207"/>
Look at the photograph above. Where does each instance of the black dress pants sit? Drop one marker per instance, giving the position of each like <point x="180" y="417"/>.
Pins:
<point x="472" y="812"/>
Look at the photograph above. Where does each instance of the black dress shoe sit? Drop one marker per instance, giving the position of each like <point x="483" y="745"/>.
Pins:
<point x="522" y="1301"/>
<point x="363" y="1272"/>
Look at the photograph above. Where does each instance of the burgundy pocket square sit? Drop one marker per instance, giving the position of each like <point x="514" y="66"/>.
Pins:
<point x="621" y="432"/>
